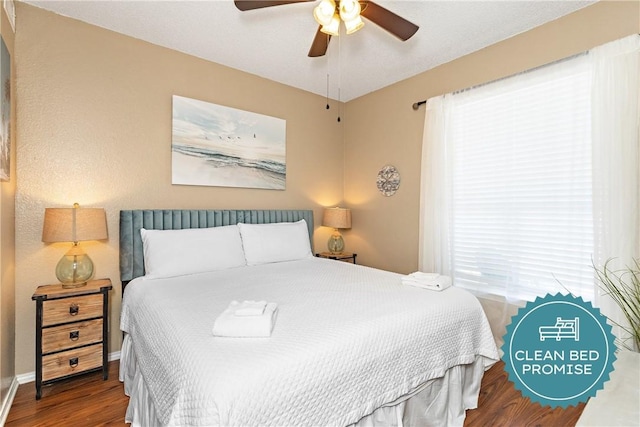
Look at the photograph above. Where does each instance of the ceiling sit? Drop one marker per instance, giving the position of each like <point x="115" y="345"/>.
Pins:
<point x="273" y="42"/>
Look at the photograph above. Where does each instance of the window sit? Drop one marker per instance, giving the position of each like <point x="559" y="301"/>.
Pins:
<point x="530" y="181"/>
<point x="520" y="187"/>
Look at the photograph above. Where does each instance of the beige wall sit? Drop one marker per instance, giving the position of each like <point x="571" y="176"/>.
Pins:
<point x="95" y="128"/>
<point x="382" y="128"/>
<point x="7" y="238"/>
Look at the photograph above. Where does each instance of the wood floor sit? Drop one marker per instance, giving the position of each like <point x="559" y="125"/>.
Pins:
<point x="500" y="404"/>
<point x="84" y="401"/>
<point x="90" y="401"/>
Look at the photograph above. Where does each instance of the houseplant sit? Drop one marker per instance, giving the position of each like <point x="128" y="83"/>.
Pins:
<point x="623" y="286"/>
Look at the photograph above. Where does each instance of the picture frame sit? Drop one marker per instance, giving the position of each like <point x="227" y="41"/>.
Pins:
<point x="215" y="145"/>
<point x="5" y="112"/>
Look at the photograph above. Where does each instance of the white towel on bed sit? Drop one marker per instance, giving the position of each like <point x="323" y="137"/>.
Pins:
<point x="249" y="308"/>
<point x="228" y="324"/>
<point x="431" y="281"/>
<point x="426" y="277"/>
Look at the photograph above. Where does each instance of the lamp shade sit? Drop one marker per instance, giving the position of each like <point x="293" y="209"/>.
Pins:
<point x="74" y="224"/>
<point x="333" y="27"/>
<point x="337" y="218"/>
<point x="353" y="25"/>
<point x="349" y="9"/>
<point x="323" y="13"/>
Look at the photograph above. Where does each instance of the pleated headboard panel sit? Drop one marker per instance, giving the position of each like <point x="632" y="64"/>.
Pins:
<point x="131" y="221"/>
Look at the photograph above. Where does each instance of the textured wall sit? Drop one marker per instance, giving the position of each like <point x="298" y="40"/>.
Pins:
<point x="7" y="238"/>
<point x="95" y="128"/>
<point x="383" y="129"/>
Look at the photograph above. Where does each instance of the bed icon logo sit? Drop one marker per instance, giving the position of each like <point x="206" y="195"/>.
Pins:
<point x="558" y="350"/>
<point x="563" y="329"/>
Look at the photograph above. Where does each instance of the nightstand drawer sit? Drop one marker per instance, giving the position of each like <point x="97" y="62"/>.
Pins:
<point x="71" y="309"/>
<point x="72" y="331"/>
<point x="71" y="362"/>
<point x="73" y="335"/>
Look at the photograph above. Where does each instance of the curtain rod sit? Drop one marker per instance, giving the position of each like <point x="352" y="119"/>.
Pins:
<point x="417" y="105"/>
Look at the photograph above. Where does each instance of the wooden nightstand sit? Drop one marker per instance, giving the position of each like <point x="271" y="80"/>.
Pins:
<point x="345" y="256"/>
<point x="72" y="335"/>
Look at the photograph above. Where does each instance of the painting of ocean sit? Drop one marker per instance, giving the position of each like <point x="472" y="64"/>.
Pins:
<point x="221" y="146"/>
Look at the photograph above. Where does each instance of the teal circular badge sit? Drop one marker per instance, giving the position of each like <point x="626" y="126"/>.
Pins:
<point x="558" y="350"/>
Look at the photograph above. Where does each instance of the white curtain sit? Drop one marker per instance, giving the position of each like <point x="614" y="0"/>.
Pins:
<point x="615" y="132"/>
<point x="506" y="197"/>
<point x="616" y="172"/>
<point x="435" y="196"/>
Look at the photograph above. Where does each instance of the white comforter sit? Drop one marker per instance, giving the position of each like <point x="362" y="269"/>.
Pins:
<point x="347" y="340"/>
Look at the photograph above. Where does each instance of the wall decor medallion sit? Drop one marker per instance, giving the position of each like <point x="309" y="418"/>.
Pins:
<point x="388" y="180"/>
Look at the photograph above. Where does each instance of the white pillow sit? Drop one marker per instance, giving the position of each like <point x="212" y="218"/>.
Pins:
<point x="277" y="242"/>
<point x="169" y="253"/>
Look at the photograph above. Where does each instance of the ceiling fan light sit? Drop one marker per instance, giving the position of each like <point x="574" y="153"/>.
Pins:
<point x="333" y="28"/>
<point x="353" y="25"/>
<point x="323" y="13"/>
<point x="349" y="9"/>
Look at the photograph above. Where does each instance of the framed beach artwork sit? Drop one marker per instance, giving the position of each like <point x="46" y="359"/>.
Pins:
<point x="5" y="111"/>
<point x="220" y="146"/>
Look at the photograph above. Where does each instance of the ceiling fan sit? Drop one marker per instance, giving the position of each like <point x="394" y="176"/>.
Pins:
<point x="329" y="14"/>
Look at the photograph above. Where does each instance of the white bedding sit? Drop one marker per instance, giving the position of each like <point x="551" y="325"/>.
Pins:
<point x="348" y="339"/>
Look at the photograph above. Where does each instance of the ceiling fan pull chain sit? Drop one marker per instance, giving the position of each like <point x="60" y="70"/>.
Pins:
<point x="339" y="76"/>
<point x="328" y="91"/>
<point x="339" y="105"/>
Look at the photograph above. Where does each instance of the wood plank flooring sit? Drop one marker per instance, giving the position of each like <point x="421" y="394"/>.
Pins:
<point x="84" y="401"/>
<point x="500" y="404"/>
<point x="90" y="401"/>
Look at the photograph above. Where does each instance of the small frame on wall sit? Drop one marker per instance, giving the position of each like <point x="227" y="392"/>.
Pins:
<point x="5" y="112"/>
<point x="214" y="145"/>
<point x="388" y="180"/>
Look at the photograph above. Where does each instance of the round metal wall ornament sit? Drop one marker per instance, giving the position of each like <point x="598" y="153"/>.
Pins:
<point x="388" y="180"/>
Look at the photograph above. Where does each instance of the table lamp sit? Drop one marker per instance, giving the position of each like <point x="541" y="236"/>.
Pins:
<point x="74" y="225"/>
<point x="337" y="218"/>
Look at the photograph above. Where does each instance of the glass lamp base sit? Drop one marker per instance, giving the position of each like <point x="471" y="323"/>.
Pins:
<point x="73" y="285"/>
<point x="74" y="269"/>
<point x="336" y="243"/>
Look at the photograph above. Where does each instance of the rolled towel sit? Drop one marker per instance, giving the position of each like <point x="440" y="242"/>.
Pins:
<point x="249" y="308"/>
<point x="230" y="325"/>
<point x="438" y="284"/>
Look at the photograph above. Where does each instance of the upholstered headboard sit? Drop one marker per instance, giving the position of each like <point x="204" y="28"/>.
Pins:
<point x="131" y="221"/>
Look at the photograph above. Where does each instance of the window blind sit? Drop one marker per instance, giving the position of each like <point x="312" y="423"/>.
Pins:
<point x="521" y="187"/>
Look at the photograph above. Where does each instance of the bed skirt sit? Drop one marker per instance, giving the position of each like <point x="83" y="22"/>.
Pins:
<point x="437" y="402"/>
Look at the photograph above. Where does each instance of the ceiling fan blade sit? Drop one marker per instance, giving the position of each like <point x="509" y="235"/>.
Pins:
<point x="320" y="44"/>
<point x="258" y="4"/>
<point x="388" y="20"/>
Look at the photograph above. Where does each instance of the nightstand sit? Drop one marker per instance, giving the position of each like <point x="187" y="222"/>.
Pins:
<point x="72" y="335"/>
<point x="344" y="256"/>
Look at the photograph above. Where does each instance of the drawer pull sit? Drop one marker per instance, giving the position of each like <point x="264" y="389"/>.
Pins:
<point x="73" y="362"/>
<point x="74" y="335"/>
<point x="74" y="309"/>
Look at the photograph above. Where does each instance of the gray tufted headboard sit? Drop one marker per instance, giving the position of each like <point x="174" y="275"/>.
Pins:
<point x="131" y="221"/>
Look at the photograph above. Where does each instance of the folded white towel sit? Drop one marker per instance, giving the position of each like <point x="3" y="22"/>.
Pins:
<point x="419" y="275"/>
<point x="230" y="325"/>
<point x="437" y="283"/>
<point x="248" y="308"/>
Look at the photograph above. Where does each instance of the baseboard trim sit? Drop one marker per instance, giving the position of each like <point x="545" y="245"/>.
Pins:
<point x="30" y="377"/>
<point x="8" y="401"/>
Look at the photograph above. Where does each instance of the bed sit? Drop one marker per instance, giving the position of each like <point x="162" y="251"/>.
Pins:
<point x="350" y="344"/>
